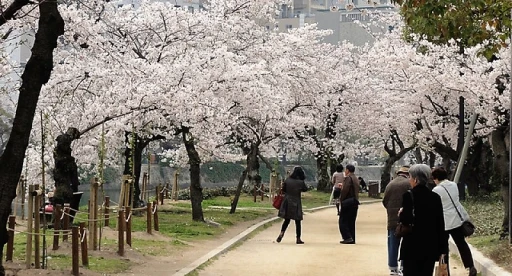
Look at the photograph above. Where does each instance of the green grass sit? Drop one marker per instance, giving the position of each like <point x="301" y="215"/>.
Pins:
<point x="486" y="212"/>
<point x="175" y="223"/>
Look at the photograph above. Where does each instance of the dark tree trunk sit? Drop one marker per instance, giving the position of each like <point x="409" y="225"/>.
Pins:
<point x="65" y="173"/>
<point x="140" y="144"/>
<point x="395" y="153"/>
<point x="385" y="176"/>
<point x="37" y="72"/>
<point x="133" y="167"/>
<point x="322" y="172"/>
<point x="252" y="159"/>
<point x="500" y="161"/>
<point x="196" y="191"/>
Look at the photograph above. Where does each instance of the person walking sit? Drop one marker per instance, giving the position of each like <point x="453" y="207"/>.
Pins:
<point x="349" y="204"/>
<point x="454" y="215"/>
<point x="337" y="182"/>
<point x="291" y="208"/>
<point x="423" y="210"/>
<point x="392" y="201"/>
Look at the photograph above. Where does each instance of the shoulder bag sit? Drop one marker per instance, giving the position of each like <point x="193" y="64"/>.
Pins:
<point x="467" y="227"/>
<point x="278" y="200"/>
<point x="403" y="229"/>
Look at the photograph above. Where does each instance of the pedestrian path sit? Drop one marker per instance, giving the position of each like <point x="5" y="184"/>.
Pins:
<point x="322" y="254"/>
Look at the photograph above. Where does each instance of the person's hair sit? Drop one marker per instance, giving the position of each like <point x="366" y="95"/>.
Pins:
<point x="439" y="173"/>
<point x="298" y="173"/>
<point x="339" y="168"/>
<point x="351" y="168"/>
<point x="421" y="173"/>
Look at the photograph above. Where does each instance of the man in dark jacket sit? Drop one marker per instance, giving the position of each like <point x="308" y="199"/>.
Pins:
<point x="349" y="201"/>
<point x="392" y="201"/>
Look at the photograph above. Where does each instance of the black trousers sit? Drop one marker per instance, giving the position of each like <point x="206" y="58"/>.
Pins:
<point x="418" y="267"/>
<point x="347" y="222"/>
<point x="286" y="222"/>
<point x="462" y="246"/>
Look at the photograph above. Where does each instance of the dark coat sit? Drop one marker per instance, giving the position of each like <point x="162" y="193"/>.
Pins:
<point x="291" y="208"/>
<point x="350" y="187"/>
<point x="428" y="239"/>
<point x="392" y="200"/>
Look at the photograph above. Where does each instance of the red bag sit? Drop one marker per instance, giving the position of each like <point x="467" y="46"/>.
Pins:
<point x="278" y="200"/>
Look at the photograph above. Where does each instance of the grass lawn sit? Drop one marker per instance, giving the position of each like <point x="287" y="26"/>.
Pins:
<point x="176" y="230"/>
<point x="487" y="214"/>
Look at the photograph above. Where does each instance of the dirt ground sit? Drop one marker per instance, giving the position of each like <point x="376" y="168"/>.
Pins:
<point x="321" y="254"/>
<point x="142" y="264"/>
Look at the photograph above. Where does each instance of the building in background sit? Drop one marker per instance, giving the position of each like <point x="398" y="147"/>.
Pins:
<point x="340" y="16"/>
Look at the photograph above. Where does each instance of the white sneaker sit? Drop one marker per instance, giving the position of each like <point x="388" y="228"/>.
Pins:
<point x="394" y="272"/>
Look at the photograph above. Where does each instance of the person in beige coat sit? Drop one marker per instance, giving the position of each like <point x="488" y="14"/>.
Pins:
<point x="392" y="201"/>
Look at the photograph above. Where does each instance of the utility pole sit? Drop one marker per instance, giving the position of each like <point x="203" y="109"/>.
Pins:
<point x="510" y="142"/>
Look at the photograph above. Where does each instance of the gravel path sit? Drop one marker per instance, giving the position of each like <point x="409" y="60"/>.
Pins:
<point x="322" y="254"/>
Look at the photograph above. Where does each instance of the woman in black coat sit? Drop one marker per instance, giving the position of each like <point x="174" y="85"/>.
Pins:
<point x="423" y="209"/>
<point x="291" y="208"/>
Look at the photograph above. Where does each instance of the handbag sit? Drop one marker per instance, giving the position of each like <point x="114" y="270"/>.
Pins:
<point x="278" y="200"/>
<point x="441" y="268"/>
<point x="403" y="229"/>
<point x="467" y="227"/>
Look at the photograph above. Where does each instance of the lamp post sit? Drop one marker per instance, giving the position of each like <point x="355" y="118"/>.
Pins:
<point x="510" y="141"/>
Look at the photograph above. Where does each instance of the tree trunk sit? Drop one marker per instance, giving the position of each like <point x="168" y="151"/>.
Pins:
<point x="385" y="176"/>
<point x="37" y="72"/>
<point x="140" y="145"/>
<point x="196" y="191"/>
<point x="65" y="173"/>
<point x="252" y="158"/>
<point x="500" y="162"/>
<point x="322" y="172"/>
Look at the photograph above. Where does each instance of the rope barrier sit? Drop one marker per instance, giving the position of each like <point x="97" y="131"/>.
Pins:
<point x="129" y="216"/>
<point x="39" y="234"/>
<point x="83" y="236"/>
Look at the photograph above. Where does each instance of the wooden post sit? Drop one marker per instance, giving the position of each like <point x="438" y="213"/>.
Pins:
<point x="262" y="191"/>
<point x="157" y="192"/>
<point x="174" y="193"/>
<point x="120" y="232"/>
<point x="93" y="213"/>
<point x="144" y="186"/>
<point x="83" y="245"/>
<point x="10" y="240"/>
<point x="65" y="223"/>
<point x="273" y="185"/>
<point x="148" y="218"/>
<point x="56" y="225"/>
<point x="23" y="190"/>
<point x="255" y="192"/>
<point x="128" y="222"/>
<point x="167" y="190"/>
<point x="161" y="194"/>
<point x="155" y="216"/>
<point x="107" y="211"/>
<point x="74" y="251"/>
<point x="28" y="252"/>
<point x="37" y="223"/>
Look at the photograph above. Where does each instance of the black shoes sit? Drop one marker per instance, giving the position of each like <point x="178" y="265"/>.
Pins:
<point x="349" y="241"/>
<point x="299" y="241"/>
<point x="472" y="271"/>
<point x="279" y="238"/>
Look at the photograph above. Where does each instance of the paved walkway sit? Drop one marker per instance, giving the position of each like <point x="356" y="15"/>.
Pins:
<point x="322" y="254"/>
